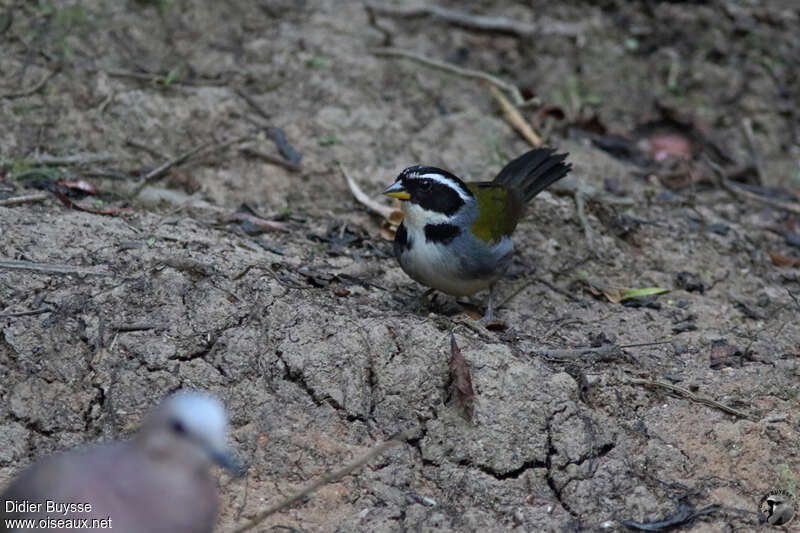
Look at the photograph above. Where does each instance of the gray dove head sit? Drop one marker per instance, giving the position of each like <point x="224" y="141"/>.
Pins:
<point x="191" y="428"/>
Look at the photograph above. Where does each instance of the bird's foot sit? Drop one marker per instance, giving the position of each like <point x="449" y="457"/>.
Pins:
<point x="487" y="318"/>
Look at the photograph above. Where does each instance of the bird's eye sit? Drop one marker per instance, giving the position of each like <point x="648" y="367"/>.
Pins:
<point x="178" y="428"/>
<point x="425" y="185"/>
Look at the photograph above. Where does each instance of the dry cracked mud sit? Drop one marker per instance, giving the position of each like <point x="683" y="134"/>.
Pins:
<point x="317" y="342"/>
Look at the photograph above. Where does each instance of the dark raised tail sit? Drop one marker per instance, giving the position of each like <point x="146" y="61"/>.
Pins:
<point x="533" y="172"/>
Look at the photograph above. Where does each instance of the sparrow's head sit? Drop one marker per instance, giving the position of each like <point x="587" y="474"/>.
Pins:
<point x="432" y="190"/>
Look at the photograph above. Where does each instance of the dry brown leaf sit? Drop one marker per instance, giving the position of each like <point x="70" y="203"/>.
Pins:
<point x="784" y="260"/>
<point x="614" y="295"/>
<point x="79" y="185"/>
<point x="661" y="146"/>
<point x="724" y="354"/>
<point x="462" y="380"/>
<point x="104" y="211"/>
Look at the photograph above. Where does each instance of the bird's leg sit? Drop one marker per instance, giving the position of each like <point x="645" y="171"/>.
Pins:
<point x="487" y="318"/>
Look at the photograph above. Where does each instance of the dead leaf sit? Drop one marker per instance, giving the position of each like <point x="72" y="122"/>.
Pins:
<point x="462" y="380"/>
<point x="614" y="295"/>
<point x="662" y="146"/>
<point x="617" y="294"/>
<point x="784" y="260"/>
<point x="105" y="211"/>
<point x="387" y="231"/>
<point x="183" y="181"/>
<point x="724" y="354"/>
<point x="79" y="185"/>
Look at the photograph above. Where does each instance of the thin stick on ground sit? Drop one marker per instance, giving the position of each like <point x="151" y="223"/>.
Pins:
<point x="478" y="22"/>
<point x="49" y="268"/>
<point x="324" y="480"/>
<point x="383" y="210"/>
<point x="511" y="89"/>
<point x="794" y="298"/>
<point x="515" y="118"/>
<point x="26" y="199"/>
<point x="163" y="169"/>
<point x="255" y="105"/>
<point x="31" y="90"/>
<point x="269" y="158"/>
<point x="605" y="352"/>
<point x="742" y="194"/>
<point x="755" y="153"/>
<point x="123" y="328"/>
<point x="59" y="160"/>
<point x="149" y="149"/>
<point x="580" y="203"/>
<point x="691" y="396"/>
<point x="39" y="311"/>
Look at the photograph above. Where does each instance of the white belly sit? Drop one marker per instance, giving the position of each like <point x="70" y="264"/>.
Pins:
<point x="448" y="267"/>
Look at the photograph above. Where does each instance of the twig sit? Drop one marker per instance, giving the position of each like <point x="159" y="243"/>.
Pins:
<point x="269" y="158"/>
<point x="587" y="229"/>
<point x="515" y="118"/>
<point x="255" y="105"/>
<point x="50" y="268"/>
<point x="741" y="194"/>
<point x="34" y="89"/>
<point x="28" y="198"/>
<point x="793" y="297"/>
<point x="39" y="311"/>
<point x="641" y="344"/>
<point x="164" y="79"/>
<point x="148" y="149"/>
<point x="163" y="169"/>
<point x="120" y="328"/>
<point x="480" y="22"/>
<point x="373" y="21"/>
<point x="511" y="89"/>
<point x="56" y="160"/>
<point x="384" y="210"/>
<point x="691" y="396"/>
<point x="755" y="153"/>
<point x="324" y="480"/>
<point x="605" y="352"/>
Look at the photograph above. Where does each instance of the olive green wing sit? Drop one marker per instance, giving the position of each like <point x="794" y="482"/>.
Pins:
<point x="500" y="209"/>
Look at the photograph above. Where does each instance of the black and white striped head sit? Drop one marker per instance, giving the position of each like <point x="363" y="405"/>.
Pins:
<point x="431" y="189"/>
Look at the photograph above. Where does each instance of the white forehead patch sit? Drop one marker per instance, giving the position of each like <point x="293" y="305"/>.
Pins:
<point x="447" y="181"/>
<point x="201" y="414"/>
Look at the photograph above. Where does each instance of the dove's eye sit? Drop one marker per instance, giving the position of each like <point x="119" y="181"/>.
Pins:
<point x="178" y="428"/>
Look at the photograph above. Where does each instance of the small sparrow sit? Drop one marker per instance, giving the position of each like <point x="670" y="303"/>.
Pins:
<point x="456" y="236"/>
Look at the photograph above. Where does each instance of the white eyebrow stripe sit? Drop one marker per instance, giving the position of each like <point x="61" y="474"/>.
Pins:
<point x="444" y="180"/>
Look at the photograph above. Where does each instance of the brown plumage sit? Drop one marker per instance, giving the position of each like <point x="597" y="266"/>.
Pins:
<point x="157" y="482"/>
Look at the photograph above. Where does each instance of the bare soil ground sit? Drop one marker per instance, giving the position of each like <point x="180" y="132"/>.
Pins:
<point x="315" y="339"/>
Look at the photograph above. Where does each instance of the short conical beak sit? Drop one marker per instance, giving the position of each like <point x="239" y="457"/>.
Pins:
<point x="226" y="461"/>
<point x="396" y="190"/>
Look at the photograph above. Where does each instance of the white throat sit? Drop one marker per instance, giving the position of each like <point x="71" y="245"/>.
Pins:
<point x="416" y="218"/>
